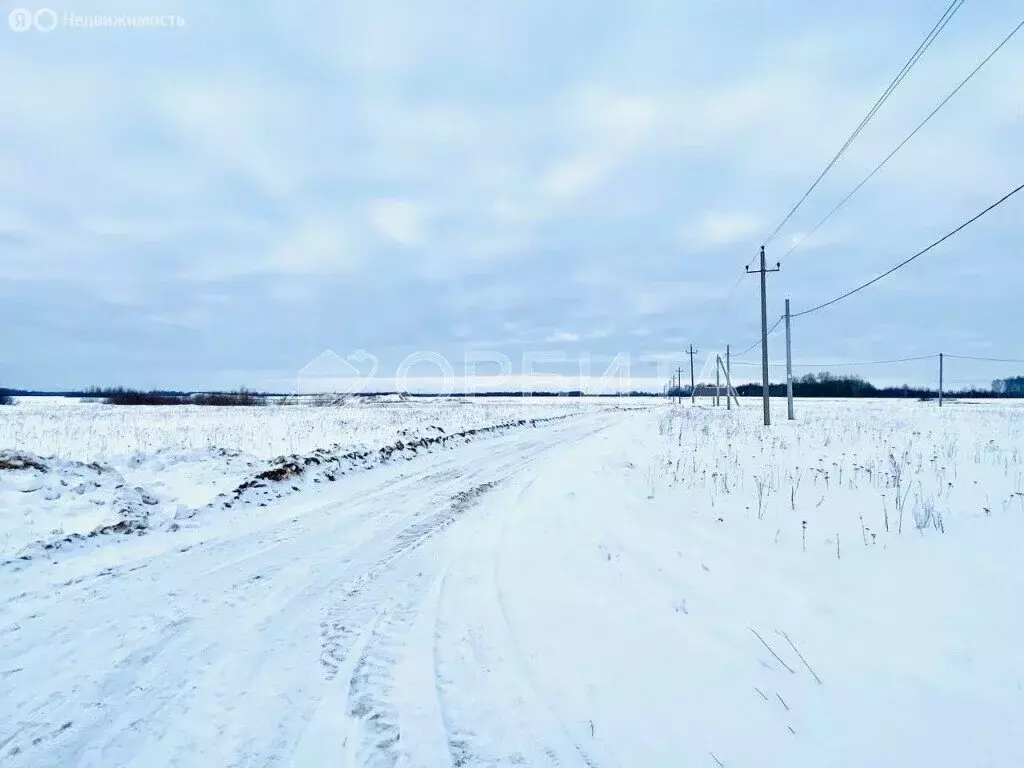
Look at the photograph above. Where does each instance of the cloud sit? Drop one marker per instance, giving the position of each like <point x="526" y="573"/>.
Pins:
<point x="617" y="119"/>
<point x="317" y="245"/>
<point x="237" y="125"/>
<point x="401" y="221"/>
<point x="573" y="177"/>
<point x="713" y="229"/>
<point x="605" y="129"/>
<point x="471" y="165"/>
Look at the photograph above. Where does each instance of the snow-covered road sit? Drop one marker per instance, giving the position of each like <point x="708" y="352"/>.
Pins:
<point x="312" y="639"/>
<point x="650" y="587"/>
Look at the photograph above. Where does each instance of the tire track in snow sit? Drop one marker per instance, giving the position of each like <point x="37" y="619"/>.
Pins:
<point x="373" y="686"/>
<point x="146" y="723"/>
<point x="331" y="728"/>
<point x="357" y="597"/>
<point x="492" y="711"/>
<point x="491" y="714"/>
<point x="421" y="723"/>
<point x="514" y="645"/>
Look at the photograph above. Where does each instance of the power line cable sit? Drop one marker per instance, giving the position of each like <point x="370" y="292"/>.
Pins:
<point x="925" y="44"/>
<point x="904" y="263"/>
<point x="716" y="309"/>
<point x="866" y="362"/>
<point x="984" y="359"/>
<point x="850" y="365"/>
<point x="770" y="332"/>
<point x="900" y="146"/>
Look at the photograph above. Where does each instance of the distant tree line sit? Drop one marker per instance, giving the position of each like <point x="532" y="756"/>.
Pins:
<point x="1012" y="387"/>
<point x="822" y="384"/>
<point x="825" y="384"/>
<point x="122" y="396"/>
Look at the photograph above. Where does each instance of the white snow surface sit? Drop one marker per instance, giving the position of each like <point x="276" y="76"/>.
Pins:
<point x="666" y="586"/>
<point x="95" y="460"/>
<point x="91" y="431"/>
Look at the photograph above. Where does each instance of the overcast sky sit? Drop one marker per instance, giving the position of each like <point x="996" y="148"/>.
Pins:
<point x="216" y="204"/>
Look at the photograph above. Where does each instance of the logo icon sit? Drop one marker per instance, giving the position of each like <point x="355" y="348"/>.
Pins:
<point x="332" y="376"/>
<point x="20" y="20"/>
<point x="45" y="20"/>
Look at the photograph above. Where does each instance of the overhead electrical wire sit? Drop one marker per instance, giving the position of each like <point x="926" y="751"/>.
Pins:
<point x="721" y="305"/>
<point x="922" y="48"/>
<point x="857" y="363"/>
<point x="770" y="332"/>
<point x="867" y="362"/>
<point x="849" y="365"/>
<point x="984" y="359"/>
<point x="906" y="261"/>
<point x="903" y="143"/>
<point x="925" y="44"/>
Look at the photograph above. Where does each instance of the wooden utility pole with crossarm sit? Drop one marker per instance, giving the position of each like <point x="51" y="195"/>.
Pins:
<point x="763" y="271"/>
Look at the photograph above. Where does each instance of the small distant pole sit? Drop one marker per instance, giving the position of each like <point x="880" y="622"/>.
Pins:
<point x="679" y="386"/>
<point x="729" y="388"/>
<point x="691" y="352"/>
<point x="941" y="360"/>
<point x="728" y="379"/>
<point x="789" y="366"/>
<point x="718" y="380"/>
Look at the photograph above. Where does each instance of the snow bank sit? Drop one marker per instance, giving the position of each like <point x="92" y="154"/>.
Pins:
<point x="53" y="500"/>
<point x="290" y="474"/>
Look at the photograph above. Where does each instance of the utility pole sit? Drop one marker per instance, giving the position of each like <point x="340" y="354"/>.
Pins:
<point x="728" y="379"/>
<point x="941" y="359"/>
<point x="679" y="386"/>
<point x="691" y="352"/>
<point x="729" y="389"/>
<point x="718" y="380"/>
<point x="789" y="366"/>
<point x="763" y="271"/>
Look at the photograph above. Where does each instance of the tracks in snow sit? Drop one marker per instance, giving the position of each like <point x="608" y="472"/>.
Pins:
<point x="422" y="665"/>
<point x="300" y="640"/>
<point x="366" y="628"/>
<point x="434" y="676"/>
<point x="494" y="712"/>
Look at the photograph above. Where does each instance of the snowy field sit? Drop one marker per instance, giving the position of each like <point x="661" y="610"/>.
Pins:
<point x="98" y="464"/>
<point x="658" y="586"/>
<point x="86" y="431"/>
